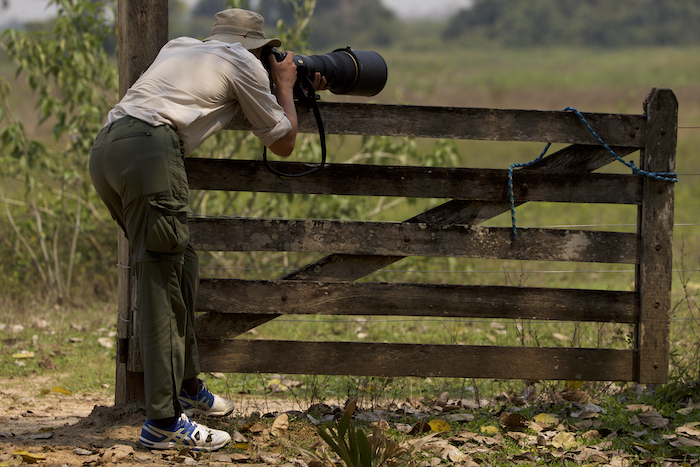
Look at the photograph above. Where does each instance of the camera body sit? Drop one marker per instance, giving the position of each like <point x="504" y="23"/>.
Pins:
<point x="347" y="71"/>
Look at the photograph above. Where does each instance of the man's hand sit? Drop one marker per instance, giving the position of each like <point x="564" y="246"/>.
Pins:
<point x="284" y="73"/>
<point x="320" y="82"/>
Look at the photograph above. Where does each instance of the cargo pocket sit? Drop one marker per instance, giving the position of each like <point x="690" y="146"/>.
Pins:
<point x="167" y="230"/>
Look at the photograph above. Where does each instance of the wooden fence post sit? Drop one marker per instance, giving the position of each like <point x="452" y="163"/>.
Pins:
<point x="654" y="268"/>
<point x="142" y="30"/>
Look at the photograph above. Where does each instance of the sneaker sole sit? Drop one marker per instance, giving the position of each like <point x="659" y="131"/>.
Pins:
<point x="198" y="412"/>
<point x="172" y="445"/>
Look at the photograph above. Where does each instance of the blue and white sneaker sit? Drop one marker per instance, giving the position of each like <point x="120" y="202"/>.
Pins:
<point x="183" y="432"/>
<point x="205" y="403"/>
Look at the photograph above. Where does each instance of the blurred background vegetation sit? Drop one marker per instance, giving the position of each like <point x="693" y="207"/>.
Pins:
<point x="58" y="80"/>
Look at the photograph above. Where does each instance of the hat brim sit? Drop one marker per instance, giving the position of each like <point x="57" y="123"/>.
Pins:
<point x="247" y="42"/>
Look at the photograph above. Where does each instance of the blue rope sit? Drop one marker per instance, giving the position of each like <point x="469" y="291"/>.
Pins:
<point x="663" y="176"/>
<point x="510" y="186"/>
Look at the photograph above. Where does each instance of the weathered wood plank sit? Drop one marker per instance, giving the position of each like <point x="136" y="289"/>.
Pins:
<point x="654" y="272"/>
<point x="454" y="361"/>
<point x="414" y="182"/>
<point x="409" y="239"/>
<point x="404" y="299"/>
<point x="470" y="123"/>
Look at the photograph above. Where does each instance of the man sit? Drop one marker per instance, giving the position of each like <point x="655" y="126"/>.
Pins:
<point x="190" y="92"/>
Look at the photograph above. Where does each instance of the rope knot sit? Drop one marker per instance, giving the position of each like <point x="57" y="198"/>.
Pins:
<point x="663" y="176"/>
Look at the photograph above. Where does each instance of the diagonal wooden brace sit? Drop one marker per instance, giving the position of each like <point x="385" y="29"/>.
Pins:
<point x="343" y="267"/>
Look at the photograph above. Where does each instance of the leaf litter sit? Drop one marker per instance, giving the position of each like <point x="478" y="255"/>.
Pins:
<point x="544" y="429"/>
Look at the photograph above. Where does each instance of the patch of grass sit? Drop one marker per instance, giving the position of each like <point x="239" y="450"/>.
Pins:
<point x="73" y="349"/>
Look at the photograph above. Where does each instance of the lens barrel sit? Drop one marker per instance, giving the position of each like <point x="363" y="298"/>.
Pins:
<point x="348" y="71"/>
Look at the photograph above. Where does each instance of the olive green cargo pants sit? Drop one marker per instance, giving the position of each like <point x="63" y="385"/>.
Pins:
<point x="138" y="171"/>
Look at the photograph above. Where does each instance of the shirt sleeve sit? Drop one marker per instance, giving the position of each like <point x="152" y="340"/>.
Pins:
<point x="259" y="105"/>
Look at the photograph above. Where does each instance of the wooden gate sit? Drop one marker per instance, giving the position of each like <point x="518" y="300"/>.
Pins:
<point x="355" y="249"/>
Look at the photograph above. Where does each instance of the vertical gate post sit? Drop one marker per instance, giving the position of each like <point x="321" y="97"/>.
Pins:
<point x="142" y="31"/>
<point x="654" y="270"/>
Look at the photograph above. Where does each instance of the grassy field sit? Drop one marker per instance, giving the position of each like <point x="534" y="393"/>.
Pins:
<point x="545" y="79"/>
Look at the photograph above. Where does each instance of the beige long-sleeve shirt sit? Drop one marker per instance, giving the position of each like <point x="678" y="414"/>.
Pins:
<point x="198" y="87"/>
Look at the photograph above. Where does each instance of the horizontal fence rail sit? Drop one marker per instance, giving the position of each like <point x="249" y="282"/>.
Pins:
<point x="414" y="182"/>
<point x="405" y="299"/>
<point x="411" y="239"/>
<point x="470" y="123"/>
<point x="457" y="361"/>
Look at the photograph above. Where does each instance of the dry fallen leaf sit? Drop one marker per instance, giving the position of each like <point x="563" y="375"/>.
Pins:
<point x="420" y="427"/>
<point x="512" y="420"/>
<point x="280" y="425"/>
<point x="439" y="425"/>
<point x="684" y="442"/>
<point x="573" y="384"/>
<point x="28" y="457"/>
<point x="106" y="342"/>
<point x="256" y="427"/>
<point x="574" y="395"/>
<point x="590" y="454"/>
<point x="117" y="453"/>
<point x="564" y="440"/>
<point x="446" y="451"/>
<point x="688" y="430"/>
<point x="23" y="354"/>
<point x="14" y="461"/>
<point x="489" y="430"/>
<point x="275" y="385"/>
<point x="546" y="420"/>
<point x="653" y="419"/>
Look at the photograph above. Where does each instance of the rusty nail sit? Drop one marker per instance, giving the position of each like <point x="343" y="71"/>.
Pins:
<point x="284" y="298"/>
<point x="658" y="247"/>
<point x="524" y="186"/>
<point x="407" y="239"/>
<point x="663" y="132"/>
<point x="656" y="365"/>
<point x="632" y="134"/>
<point x="657" y="304"/>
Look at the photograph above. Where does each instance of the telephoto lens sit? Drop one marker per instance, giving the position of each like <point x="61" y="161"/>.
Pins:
<point x="347" y="71"/>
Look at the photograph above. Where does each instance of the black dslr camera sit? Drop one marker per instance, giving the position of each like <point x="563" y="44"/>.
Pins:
<point x="347" y="71"/>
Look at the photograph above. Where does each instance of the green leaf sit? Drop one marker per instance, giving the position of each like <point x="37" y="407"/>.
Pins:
<point x="364" y="450"/>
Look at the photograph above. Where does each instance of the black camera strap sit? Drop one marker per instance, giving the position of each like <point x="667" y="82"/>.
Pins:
<point x="306" y="94"/>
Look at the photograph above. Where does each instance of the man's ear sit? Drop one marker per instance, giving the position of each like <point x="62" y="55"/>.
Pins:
<point x="257" y="52"/>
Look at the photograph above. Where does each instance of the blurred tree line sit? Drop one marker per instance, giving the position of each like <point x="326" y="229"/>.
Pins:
<point x="335" y="23"/>
<point x="512" y="23"/>
<point x="597" y="23"/>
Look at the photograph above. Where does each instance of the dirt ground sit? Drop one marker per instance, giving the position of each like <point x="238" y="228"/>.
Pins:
<point x="86" y="429"/>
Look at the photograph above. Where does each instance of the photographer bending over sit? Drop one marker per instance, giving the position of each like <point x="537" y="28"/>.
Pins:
<point x="190" y="92"/>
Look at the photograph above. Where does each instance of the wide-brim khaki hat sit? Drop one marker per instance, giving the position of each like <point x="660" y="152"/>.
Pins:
<point x="244" y="26"/>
